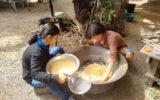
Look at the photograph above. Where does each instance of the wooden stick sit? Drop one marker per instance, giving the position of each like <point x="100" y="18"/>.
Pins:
<point x="51" y="8"/>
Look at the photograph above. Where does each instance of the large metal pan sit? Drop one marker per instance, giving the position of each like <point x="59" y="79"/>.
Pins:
<point x="94" y="52"/>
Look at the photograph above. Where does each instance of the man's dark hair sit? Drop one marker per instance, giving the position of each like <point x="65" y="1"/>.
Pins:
<point x="95" y="29"/>
<point x="48" y="29"/>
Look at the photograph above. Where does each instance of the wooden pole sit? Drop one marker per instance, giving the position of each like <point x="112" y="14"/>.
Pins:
<point x="51" y="8"/>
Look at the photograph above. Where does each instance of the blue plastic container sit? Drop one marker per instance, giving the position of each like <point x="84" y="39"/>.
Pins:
<point x="129" y="17"/>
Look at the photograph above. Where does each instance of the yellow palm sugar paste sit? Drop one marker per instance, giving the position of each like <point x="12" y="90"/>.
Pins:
<point x="93" y="71"/>
<point x="63" y="66"/>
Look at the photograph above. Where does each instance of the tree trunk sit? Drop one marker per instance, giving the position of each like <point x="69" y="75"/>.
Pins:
<point x="82" y="10"/>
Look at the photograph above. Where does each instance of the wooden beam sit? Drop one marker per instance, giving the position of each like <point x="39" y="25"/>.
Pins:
<point x="153" y="78"/>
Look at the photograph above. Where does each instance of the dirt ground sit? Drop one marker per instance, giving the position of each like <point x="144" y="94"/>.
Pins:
<point x="16" y="29"/>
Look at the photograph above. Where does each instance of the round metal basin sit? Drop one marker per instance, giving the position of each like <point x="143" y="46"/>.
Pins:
<point x="71" y="57"/>
<point x="99" y="53"/>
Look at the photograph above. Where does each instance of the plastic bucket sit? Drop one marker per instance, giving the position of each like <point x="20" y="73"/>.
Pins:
<point x="129" y="17"/>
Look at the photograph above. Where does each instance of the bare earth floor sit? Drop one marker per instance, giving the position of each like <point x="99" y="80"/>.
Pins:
<point x="16" y="29"/>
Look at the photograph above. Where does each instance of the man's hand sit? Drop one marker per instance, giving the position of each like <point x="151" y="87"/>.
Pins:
<point x="62" y="78"/>
<point x="108" y="73"/>
<point x="58" y="54"/>
<point x="105" y="77"/>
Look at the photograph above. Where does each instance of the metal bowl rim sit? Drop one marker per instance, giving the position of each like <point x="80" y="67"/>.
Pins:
<point x="107" y="82"/>
<point x="58" y="57"/>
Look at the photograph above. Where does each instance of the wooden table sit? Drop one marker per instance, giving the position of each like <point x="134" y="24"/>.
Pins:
<point x="153" y="60"/>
